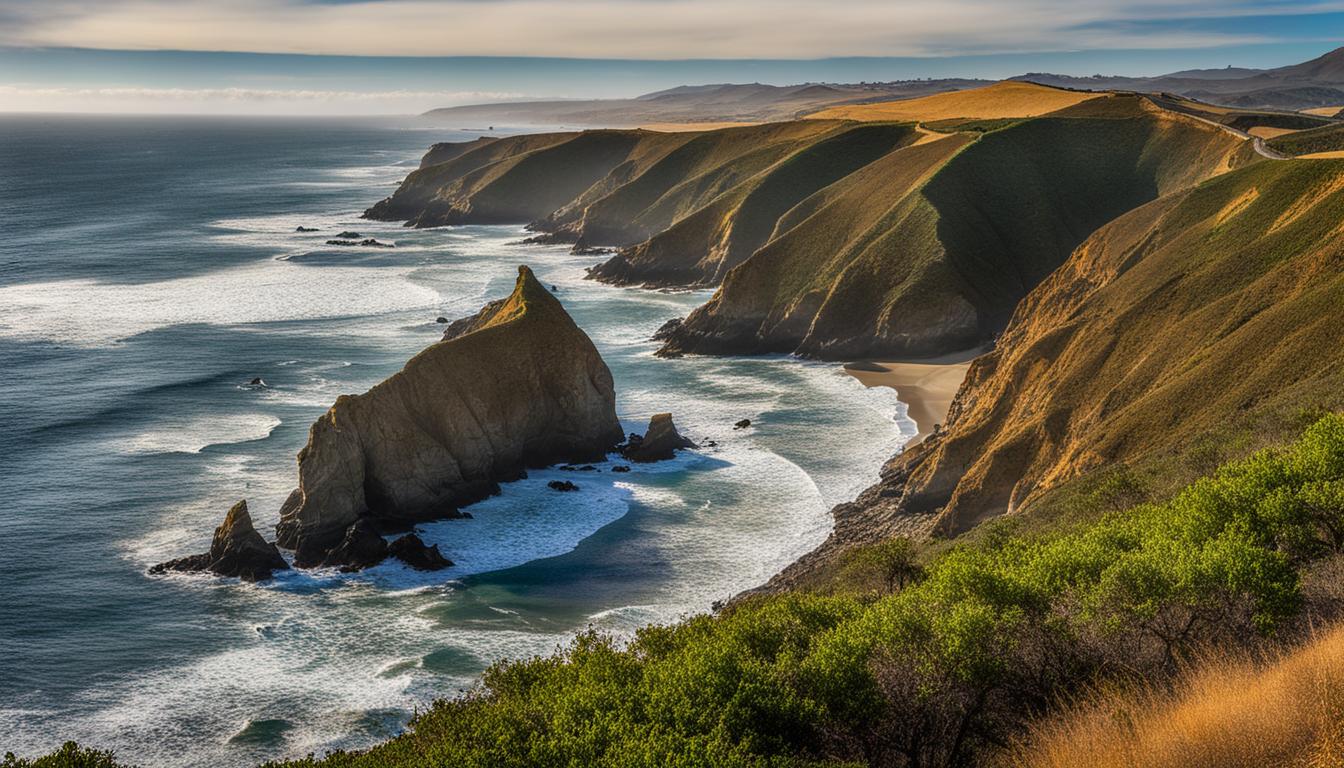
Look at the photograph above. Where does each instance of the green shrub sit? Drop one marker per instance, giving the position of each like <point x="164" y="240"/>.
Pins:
<point x="995" y="631"/>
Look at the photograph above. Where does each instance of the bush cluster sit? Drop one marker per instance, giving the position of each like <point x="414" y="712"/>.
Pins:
<point x="943" y="664"/>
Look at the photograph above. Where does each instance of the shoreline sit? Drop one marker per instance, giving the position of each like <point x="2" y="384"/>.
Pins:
<point x="927" y="387"/>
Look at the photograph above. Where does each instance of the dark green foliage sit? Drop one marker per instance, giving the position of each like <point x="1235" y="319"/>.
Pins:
<point x="70" y="755"/>
<point x="1328" y="138"/>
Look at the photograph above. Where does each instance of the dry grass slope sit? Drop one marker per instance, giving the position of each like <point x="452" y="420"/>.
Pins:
<point x="1000" y="100"/>
<point x="1229" y="714"/>
<point x="1204" y="313"/>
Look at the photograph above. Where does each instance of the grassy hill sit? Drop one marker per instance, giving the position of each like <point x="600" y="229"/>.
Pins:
<point x="836" y="239"/>
<point x="894" y="263"/>
<point x="1207" y="313"/>
<point x="1329" y="138"/>
<point x="1005" y="99"/>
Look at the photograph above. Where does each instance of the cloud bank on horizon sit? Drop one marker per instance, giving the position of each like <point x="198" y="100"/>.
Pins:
<point x="644" y="29"/>
<point x="212" y="55"/>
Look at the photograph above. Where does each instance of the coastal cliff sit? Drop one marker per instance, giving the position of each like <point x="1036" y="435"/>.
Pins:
<point x="836" y="239"/>
<point x="519" y="385"/>
<point x="1205" y="322"/>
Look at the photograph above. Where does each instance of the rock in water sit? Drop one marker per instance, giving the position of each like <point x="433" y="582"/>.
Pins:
<point x="518" y="386"/>
<point x="660" y="442"/>
<point x="362" y="547"/>
<point x="411" y="550"/>
<point x="562" y="485"/>
<point x="237" y="550"/>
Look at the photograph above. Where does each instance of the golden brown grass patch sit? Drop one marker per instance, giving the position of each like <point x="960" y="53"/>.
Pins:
<point x="1265" y="132"/>
<point x="1323" y="111"/>
<point x="1237" y="204"/>
<point x="1000" y="100"/>
<point x="1230" y="714"/>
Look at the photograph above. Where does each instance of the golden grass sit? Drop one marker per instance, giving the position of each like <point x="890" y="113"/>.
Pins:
<point x="1230" y="714"/>
<point x="1000" y="100"/>
<point x="684" y="127"/>
<point x="1265" y="132"/>
<point x="1323" y="111"/>
<point x="1334" y="155"/>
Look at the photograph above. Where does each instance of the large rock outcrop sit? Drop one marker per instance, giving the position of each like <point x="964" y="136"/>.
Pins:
<point x="518" y="386"/>
<point x="237" y="550"/>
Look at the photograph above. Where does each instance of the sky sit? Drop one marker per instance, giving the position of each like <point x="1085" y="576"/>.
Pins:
<point x="407" y="56"/>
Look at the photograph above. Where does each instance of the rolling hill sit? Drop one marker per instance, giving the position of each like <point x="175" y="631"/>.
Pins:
<point x="1208" y="312"/>
<point x="836" y="238"/>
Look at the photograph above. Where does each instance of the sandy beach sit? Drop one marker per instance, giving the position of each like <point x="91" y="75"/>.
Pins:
<point x="925" y="386"/>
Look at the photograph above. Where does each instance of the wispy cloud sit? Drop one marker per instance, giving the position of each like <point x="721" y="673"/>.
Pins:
<point x="228" y="100"/>
<point x="640" y="29"/>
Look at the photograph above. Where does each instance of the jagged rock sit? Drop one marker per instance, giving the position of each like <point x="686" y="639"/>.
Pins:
<point x="237" y="550"/>
<point x="562" y="485"/>
<point x="362" y="547"/>
<point x="667" y="330"/>
<point x="660" y="442"/>
<point x="257" y="382"/>
<point x="411" y="550"/>
<point x="517" y="386"/>
<point x="743" y="424"/>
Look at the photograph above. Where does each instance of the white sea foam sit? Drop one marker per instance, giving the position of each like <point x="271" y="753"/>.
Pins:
<point x="90" y="313"/>
<point x="193" y="434"/>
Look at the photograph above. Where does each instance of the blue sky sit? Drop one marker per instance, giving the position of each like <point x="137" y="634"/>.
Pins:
<point x="404" y="56"/>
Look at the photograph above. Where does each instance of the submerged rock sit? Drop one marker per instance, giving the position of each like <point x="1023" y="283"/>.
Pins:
<point x="659" y="442"/>
<point x="348" y="235"/>
<point x="562" y="485"/>
<point x="519" y="385"/>
<point x="367" y="242"/>
<point x="411" y="550"/>
<point x="237" y="550"/>
<point x="306" y="229"/>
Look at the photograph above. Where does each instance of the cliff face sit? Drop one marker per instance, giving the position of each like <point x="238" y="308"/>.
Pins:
<point x="1210" y="308"/>
<point x="929" y="249"/>
<point x="1204" y="315"/>
<point x="831" y="238"/>
<point x="519" y="386"/>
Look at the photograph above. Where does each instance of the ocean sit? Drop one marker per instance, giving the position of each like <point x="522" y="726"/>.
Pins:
<point x="150" y="268"/>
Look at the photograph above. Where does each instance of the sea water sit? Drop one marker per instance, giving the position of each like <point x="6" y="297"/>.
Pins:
<point x="151" y="268"/>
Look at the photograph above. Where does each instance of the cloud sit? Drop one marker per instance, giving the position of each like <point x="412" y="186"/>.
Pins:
<point x="228" y="100"/>
<point x="638" y="29"/>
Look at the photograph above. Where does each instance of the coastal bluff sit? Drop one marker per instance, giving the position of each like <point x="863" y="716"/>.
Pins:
<point x="518" y="385"/>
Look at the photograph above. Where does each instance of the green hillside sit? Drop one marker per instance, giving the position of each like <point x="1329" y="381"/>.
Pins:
<point x="1329" y="138"/>
<point x="1195" y="321"/>
<point x="947" y="259"/>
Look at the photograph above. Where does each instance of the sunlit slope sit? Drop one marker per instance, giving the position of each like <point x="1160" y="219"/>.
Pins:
<point x="681" y="182"/>
<point x="699" y="247"/>
<point x="1006" y="99"/>
<point x="1203" y="311"/>
<point x="1229" y="713"/>
<point x="934" y="258"/>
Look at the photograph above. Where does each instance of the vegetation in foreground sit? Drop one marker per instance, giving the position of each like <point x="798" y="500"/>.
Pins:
<point x="1231" y="713"/>
<point x="940" y="664"/>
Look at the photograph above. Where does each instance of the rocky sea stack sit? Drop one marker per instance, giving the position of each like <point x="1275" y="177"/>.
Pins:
<point x="237" y="550"/>
<point x="660" y="442"/>
<point x="518" y="385"/>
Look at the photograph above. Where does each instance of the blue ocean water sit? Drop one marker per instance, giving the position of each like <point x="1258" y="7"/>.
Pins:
<point x="150" y="268"/>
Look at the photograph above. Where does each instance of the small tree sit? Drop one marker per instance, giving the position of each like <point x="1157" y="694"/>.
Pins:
<point x="892" y="561"/>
